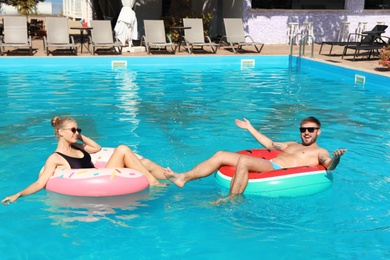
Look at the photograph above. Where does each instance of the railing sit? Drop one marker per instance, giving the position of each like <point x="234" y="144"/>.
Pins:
<point x="302" y="43"/>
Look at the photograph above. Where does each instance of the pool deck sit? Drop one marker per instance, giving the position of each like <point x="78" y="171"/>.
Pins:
<point x="361" y="62"/>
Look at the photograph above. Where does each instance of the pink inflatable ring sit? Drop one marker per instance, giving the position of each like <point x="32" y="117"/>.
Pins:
<point x="99" y="181"/>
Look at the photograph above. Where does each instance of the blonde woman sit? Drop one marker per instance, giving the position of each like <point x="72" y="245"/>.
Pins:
<point x="73" y="151"/>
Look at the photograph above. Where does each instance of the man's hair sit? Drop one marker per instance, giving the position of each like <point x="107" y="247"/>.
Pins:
<point x="311" y="119"/>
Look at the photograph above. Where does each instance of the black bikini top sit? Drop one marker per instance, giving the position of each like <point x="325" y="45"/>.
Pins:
<point x="78" y="163"/>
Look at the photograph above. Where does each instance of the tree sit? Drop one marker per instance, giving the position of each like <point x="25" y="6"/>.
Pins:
<point x="24" y="7"/>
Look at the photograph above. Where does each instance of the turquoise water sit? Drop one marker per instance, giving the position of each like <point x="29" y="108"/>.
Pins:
<point x="179" y="111"/>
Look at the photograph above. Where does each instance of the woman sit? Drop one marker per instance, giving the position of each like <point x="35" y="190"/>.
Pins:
<point x="70" y="154"/>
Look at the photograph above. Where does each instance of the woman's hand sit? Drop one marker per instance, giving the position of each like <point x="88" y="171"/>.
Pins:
<point x="9" y="199"/>
<point x="88" y="145"/>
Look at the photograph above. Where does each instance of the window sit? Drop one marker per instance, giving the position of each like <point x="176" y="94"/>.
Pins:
<point x="298" y="4"/>
<point x="377" y="4"/>
<point x="269" y="4"/>
<point x="166" y="5"/>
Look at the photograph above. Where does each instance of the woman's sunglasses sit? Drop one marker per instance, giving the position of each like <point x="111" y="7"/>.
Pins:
<point x="310" y="129"/>
<point x="74" y="130"/>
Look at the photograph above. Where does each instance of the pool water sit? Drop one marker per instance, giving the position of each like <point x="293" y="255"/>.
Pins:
<point x="178" y="112"/>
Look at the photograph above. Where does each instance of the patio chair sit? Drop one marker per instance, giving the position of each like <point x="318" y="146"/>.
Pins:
<point x="155" y="37"/>
<point x="58" y="37"/>
<point x="195" y="37"/>
<point x="365" y="39"/>
<point x="103" y="36"/>
<point x="371" y="49"/>
<point x="235" y="35"/>
<point x="16" y="34"/>
<point x="372" y="42"/>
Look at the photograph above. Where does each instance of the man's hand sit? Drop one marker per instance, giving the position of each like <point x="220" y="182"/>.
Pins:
<point x="243" y="124"/>
<point x="338" y="153"/>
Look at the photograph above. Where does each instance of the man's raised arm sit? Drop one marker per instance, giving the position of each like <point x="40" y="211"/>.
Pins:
<point x="262" y="139"/>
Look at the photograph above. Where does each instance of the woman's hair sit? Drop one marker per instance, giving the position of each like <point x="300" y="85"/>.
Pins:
<point x="311" y="119"/>
<point x="59" y="123"/>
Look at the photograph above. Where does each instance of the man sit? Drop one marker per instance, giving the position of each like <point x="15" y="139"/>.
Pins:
<point x="293" y="155"/>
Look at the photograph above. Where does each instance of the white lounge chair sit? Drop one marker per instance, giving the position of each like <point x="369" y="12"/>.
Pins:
<point x="103" y="36"/>
<point x="235" y="36"/>
<point x="57" y="31"/>
<point x="15" y="34"/>
<point x="155" y="36"/>
<point x="194" y="37"/>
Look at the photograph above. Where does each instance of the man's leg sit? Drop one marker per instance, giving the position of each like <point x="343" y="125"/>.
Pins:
<point x="246" y="164"/>
<point x="203" y="169"/>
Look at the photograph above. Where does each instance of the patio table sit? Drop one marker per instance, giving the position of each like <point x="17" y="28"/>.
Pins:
<point x="180" y="30"/>
<point x="82" y="29"/>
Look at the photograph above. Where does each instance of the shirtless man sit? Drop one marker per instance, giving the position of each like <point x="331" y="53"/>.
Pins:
<point x="293" y="155"/>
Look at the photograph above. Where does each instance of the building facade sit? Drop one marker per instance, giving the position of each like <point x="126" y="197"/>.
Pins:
<point x="267" y="21"/>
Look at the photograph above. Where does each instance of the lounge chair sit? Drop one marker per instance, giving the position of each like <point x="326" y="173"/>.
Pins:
<point x="103" y="36"/>
<point x="195" y="37"/>
<point x="370" y="48"/>
<point x="58" y="37"/>
<point x="15" y="34"/>
<point x="365" y="39"/>
<point x="155" y="37"/>
<point x="372" y="42"/>
<point x="235" y="35"/>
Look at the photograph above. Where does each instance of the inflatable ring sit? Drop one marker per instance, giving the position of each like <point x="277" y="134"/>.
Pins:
<point x="286" y="182"/>
<point x="99" y="181"/>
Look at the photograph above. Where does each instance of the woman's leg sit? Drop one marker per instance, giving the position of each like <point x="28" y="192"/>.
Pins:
<point x="123" y="157"/>
<point x="155" y="169"/>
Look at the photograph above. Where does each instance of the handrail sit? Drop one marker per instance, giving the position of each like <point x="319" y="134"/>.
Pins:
<point x="302" y="43"/>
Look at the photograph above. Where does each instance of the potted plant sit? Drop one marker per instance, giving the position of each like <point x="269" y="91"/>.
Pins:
<point x="384" y="56"/>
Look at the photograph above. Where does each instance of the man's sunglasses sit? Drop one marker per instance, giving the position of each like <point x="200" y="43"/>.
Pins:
<point x="74" y="130"/>
<point x="310" y="129"/>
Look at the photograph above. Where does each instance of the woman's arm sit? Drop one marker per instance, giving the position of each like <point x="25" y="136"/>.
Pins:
<point x="43" y="178"/>
<point x="262" y="139"/>
<point x="88" y="145"/>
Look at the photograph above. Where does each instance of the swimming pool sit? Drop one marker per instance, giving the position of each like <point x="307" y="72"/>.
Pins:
<point x="179" y="111"/>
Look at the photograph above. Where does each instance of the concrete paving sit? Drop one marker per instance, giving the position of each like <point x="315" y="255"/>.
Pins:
<point x="361" y="62"/>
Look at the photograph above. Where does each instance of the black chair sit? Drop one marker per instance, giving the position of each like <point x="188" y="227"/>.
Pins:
<point x="374" y="41"/>
<point x="366" y="39"/>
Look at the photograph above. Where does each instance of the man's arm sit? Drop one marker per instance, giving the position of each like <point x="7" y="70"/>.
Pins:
<point x="262" y="139"/>
<point x="331" y="163"/>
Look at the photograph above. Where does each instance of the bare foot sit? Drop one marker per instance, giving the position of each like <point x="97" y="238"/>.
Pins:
<point x="230" y="198"/>
<point x="177" y="179"/>
<point x="220" y="201"/>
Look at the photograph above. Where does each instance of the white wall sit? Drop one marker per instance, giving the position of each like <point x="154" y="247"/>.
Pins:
<point x="8" y="10"/>
<point x="45" y="8"/>
<point x="270" y="26"/>
<point x="42" y="8"/>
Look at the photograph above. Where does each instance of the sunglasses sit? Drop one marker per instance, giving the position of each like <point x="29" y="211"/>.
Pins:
<point x="310" y="129"/>
<point x="74" y="130"/>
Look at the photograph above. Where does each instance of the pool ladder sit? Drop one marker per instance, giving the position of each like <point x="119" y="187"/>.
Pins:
<point x="302" y="43"/>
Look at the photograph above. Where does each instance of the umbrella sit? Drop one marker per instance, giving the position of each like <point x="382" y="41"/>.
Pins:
<point x="126" y="25"/>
